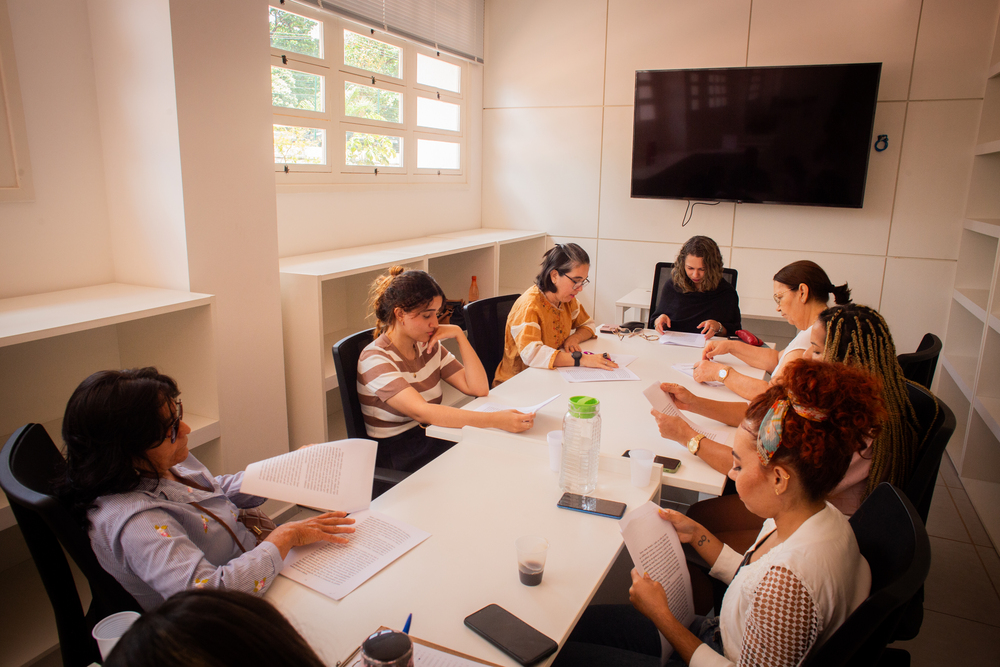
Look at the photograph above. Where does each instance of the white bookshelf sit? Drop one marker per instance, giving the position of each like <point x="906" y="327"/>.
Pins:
<point x="50" y="342"/>
<point x="324" y="298"/>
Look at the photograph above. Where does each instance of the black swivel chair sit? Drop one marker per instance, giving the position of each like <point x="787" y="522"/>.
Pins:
<point x="893" y="540"/>
<point x="346" y="353"/>
<point x="486" y="322"/>
<point x="919" y="366"/>
<point x="29" y="463"/>
<point x="662" y="274"/>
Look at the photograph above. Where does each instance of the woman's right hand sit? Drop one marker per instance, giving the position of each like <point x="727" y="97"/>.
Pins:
<point x="328" y="527"/>
<point x="687" y="529"/>
<point x="661" y="324"/>
<point x="514" y="421"/>
<point x="683" y="398"/>
<point x="597" y="361"/>
<point x="714" y="348"/>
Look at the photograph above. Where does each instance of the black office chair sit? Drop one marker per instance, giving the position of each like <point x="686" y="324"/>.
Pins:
<point x="919" y="366"/>
<point x="486" y="322"/>
<point x="893" y="540"/>
<point x="661" y="275"/>
<point x="937" y="424"/>
<point x="346" y="353"/>
<point x="29" y="463"/>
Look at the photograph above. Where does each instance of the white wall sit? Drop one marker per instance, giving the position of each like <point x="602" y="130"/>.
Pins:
<point x="557" y="131"/>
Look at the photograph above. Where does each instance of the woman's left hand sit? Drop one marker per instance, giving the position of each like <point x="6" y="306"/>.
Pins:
<point x="648" y="597"/>
<point x="707" y="371"/>
<point x="572" y="344"/>
<point x="673" y="428"/>
<point x="710" y="327"/>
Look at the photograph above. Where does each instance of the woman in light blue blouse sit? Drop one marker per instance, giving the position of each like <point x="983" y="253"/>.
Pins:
<point x="158" y="520"/>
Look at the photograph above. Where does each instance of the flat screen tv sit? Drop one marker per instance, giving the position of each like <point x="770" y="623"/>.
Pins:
<point x="769" y="135"/>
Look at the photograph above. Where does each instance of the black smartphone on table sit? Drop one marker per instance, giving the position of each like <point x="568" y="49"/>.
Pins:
<point x="669" y="464"/>
<point x="599" y="506"/>
<point x="510" y="634"/>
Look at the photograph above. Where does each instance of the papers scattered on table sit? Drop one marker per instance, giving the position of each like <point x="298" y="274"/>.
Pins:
<point x="337" y="569"/>
<point x="583" y="374"/>
<point x="655" y="550"/>
<point x="333" y="475"/>
<point x="496" y="407"/>
<point x="662" y="402"/>
<point x="682" y="338"/>
<point x="688" y="369"/>
<point x="622" y="359"/>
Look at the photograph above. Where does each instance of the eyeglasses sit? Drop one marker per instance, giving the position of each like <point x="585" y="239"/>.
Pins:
<point x="579" y="283"/>
<point x="777" y="297"/>
<point x="638" y="331"/>
<point x="175" y="426"/>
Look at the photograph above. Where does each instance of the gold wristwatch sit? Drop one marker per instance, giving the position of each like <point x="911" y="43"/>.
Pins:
<point x="724" y="373"/>
<point x="694" y="444"/>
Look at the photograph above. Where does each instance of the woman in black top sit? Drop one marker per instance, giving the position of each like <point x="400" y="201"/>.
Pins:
<point x="697" y="299"/>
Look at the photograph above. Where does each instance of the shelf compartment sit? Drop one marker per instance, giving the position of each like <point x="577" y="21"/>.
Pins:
<point x="974" y="274"/>
<point x="964" y="343"/>
<point x="454" y="271"/>
<point x="988" y="386"/>
<point x="520" y="262"/>
<point x="982" y="451"/>
<point x="984" y="195"/>
<point x="949" y="391"/>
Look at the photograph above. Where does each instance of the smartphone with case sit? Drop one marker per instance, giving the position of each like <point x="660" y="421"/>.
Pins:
<point x="669" y="464"/>
<point x="599" y="506"/>
<point x="510" y="634"/>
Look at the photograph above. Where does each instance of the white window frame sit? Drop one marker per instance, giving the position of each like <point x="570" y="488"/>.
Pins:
<point x="336" y="123"/>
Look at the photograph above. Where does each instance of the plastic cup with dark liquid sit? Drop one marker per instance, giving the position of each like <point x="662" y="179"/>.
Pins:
<point x="531" y="552"/>
<point x="387" y="648"/>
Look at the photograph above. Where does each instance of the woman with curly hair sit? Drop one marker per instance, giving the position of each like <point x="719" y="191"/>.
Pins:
<point x="697" y="299"/>
<point x="804" y="574"/>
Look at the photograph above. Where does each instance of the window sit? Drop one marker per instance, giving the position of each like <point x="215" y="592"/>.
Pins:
<point x="356" y="105"/>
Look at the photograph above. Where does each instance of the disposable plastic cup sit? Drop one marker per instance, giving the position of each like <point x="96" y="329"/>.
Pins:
<point x="641" y="465"/>
<point x="531" y="552"/>
<point x="554" y="439"/>
<point x="109" y="630"/>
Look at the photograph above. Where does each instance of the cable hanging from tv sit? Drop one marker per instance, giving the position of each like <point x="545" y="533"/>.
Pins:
<point x="689" y="212"/>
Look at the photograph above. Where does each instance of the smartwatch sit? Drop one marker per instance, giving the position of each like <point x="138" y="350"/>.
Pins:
<point x="694" y="444"/>
<point x="577" y="356"/>
<point x="724" y="373"/>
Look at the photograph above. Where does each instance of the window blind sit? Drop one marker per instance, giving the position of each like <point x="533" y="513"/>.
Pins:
<point x="454" y="26"/>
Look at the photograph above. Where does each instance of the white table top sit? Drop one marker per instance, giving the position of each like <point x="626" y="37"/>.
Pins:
<point x="474" y="500"/>
<point x="637" y="298"/>
<point x="625" y="419"/>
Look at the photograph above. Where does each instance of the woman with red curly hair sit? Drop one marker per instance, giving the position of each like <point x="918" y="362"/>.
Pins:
<point x="803" y="576"/>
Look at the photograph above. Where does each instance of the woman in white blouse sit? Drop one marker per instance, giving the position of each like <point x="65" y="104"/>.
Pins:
<point x="804" y="575"/>
<point x="801" y="292"/>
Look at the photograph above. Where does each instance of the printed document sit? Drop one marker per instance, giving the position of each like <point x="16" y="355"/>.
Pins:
<point x="663" y="402"/>
<point x="655" y="550"/>
<point x="337" y="569"/>
<point x="688" y="369"/>
<point x="333" y="476"/>
<point x="584" y="374"/>
<point x="682" y="338"/>
<point x="496" y="407"/>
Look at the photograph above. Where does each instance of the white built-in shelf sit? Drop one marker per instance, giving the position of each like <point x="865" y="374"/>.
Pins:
<point x="962" y="370"/>
<point x="995" y="323"/>
<point x="757" y="308"/>
<point x="988" y="147"/>
<point x="38" y="316"/>
<point x="329" y="370"/>
<point x="973" y="300"/>
<point x="987" y="226"/>
<point x="989" y="410"/>
<point x="994" y="71"/>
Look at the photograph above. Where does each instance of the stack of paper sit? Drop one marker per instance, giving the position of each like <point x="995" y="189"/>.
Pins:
<point x="662" y="402"/>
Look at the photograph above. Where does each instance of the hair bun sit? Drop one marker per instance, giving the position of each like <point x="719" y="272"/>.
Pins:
<point x="396" y="270"/>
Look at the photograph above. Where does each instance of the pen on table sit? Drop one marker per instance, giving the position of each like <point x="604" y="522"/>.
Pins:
<point x="406" y="626"/>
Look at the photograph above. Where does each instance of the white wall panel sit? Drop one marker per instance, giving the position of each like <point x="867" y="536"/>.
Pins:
<point x="545" y="53"/>
<point x="953" y="49"/>
<point x="934" y="172"/>
<point x="757" y="267"/>
<point x="586" y="297"/>
<point x="850" y="230"/>
<point x="671" y="34"/>
<point x="916" y="299"/>
<point x="541" y="169"/>
<point x="647" y="219"/>
<point x="807" y="32"/>
<point x="625" y="266"/>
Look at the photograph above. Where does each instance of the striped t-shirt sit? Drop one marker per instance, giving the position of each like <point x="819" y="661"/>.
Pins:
<point x="383" y="373"/>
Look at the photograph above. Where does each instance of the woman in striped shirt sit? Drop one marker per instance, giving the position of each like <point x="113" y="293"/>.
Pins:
<point x="400" y="373"/>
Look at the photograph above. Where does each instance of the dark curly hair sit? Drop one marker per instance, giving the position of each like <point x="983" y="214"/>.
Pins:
<point x="409" y="290"/>
<point x="111" y="421"/>
<point x="820" y="451"/>
<point x="708" y="251"/>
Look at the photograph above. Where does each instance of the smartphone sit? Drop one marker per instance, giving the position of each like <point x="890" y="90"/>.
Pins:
<point x="599" y="506"/>
<point x="669" y="464"/>
<point x="510" y="634"/>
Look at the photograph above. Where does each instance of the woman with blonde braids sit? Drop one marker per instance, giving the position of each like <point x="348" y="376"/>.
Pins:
<point x="400" y="373"/>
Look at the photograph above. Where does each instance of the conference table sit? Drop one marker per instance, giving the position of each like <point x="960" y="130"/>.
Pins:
<point x="475" y="500"/>
<point x="626" y="422"/>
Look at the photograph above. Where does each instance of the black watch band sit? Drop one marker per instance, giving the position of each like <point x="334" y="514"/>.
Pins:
<point x="577" y="356"/>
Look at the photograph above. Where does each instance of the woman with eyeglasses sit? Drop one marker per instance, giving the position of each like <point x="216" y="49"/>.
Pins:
<point x="159" y="521"/>
<point x="801" y="292"/>
<point x="697" y="298"/>
<point x="547" y="323"/>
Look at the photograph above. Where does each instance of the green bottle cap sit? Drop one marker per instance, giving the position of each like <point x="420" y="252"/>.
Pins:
<point x="584" y="407"/>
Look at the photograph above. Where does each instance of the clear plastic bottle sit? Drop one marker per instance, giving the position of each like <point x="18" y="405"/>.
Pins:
<point x="473" y="290"/>
<point x="581" y="445"/>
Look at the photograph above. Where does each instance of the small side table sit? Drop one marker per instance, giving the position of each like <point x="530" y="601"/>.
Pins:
<point x="637" y="298"/>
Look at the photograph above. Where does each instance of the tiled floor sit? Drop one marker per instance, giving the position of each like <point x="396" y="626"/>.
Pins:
<point x="962" y="595"/>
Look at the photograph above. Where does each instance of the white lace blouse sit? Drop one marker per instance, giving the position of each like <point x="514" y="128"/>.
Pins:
<point x="792" y="598"/>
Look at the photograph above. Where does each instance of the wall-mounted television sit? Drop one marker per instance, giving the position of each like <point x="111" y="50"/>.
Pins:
<point x="770" y="135"/>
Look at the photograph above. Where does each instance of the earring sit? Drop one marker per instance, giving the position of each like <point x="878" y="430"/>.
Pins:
<point x="776" y="492"/>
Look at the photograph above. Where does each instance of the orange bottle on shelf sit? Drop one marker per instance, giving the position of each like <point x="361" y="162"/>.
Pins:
<point x="473" y="291"/>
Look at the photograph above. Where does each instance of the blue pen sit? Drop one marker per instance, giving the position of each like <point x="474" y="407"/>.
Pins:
<point x="406" y="626"/>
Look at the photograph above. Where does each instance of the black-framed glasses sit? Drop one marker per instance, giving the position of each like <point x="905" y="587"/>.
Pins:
<point x="175" y="426"/>
<point x="578" y="282"/>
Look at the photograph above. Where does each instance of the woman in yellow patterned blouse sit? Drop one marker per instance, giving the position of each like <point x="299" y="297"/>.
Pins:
<point x="547" y="323"/>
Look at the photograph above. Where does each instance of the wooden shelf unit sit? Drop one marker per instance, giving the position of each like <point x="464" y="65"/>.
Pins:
<point x="50" y="342"/>
<point x="324" y="298"/>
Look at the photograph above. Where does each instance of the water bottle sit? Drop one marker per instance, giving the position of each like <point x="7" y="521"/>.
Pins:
<point x="581" y="445"/>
